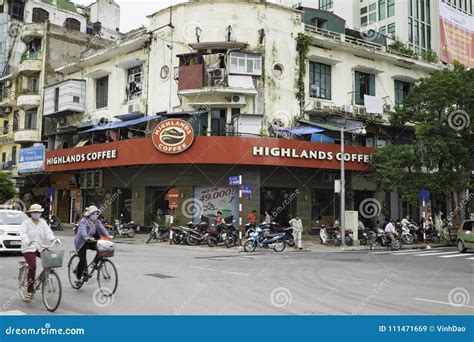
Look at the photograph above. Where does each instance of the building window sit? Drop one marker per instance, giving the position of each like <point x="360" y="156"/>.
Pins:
<point x="56" y="99"/>
<point x="72" y="24"/>
<point x="363" y="21"/>
<point x="410" y="30"/>
<point x="76" y="99"/>
<point x="134" y="86"/>
<point x="364" y="85"/>
<point x="101" y="92"/>
<point x="17" y="10"/>
<point x="383" y="30"/>
<point x="390" y="8"/>
<point x="245" y="63"/>
<point x="402" y="89"/>
<point x="382" y="9"/>
<point x="33" y="85"/>
<point x="40" y="15"/>
<point x="391" y="31"/>
<point x="325" y="4"/>
<point x="14" y="155"/>
<point x="30" y="118"/>
<point x="16" y="120"/>
<point x="320" y="80"/>
<point x="4" y="157"/>
<point x="5" y="127"/>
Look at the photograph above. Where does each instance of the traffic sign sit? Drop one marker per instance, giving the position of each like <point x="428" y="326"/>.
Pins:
<point x="235" y="180"/>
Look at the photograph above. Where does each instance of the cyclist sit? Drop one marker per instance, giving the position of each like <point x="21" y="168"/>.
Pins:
<point x="34" y="232"/>
<point x="90" y="230"/>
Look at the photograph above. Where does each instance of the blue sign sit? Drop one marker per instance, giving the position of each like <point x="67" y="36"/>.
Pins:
<point x="31" y="159"/>
<point x="425" y="197"/>
<point x="247" y="190"/>
<point x="235" y="181"/>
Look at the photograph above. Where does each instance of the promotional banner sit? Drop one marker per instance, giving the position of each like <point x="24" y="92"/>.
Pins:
<point x="214" y="199"/>
<point x="456" y="36"/>
<point x="31" y="159"/>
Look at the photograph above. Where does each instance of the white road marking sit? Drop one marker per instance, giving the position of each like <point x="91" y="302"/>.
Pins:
<point x="470" y="259"/>
<point x="12" y="313"/>
<point x="403" y="252"/>
<point x="453" y="256"/>
<point x="440" y="302"/>
<point x="444" y="253"/>
<point x="417" y="253"/>
<point x="215" y="270"/>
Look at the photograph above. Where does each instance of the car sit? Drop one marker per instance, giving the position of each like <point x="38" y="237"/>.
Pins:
<point x="10" y="221"/>
<point x="465" y="239"/>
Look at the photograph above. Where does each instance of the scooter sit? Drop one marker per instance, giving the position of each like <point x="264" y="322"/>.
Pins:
<point x="263" y="239"/>
<point x="158" y="233"/>
<point x="123" y="229"/>
<point x="333" y="236"/>
<point x="56" y="223"/>
<point x="382" y="240"/>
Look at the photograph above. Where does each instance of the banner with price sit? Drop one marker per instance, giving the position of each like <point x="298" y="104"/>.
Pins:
<point x="214" y="199"/>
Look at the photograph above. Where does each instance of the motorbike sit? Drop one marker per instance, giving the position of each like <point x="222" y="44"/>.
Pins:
<point x="405" y="234"/>
<point x="198" y="233"/>
<point x="179" y="235"/>
<point x="56" y="223"/>
<point x="289" y="238"/>
<point x="123" y="229"/>
<point x="333" y="236"/>
<point x="382" y="240"/>
<point x="158" y="233"/>
<point x="250" y="229"/>
<point x="433" y="235"/>
<point x="264" y="239"/>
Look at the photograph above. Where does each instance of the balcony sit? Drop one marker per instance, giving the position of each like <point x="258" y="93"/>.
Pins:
<point x="31" y="31"/>
<point x="65" y="98"/>
<point x="27" y="136"/>
<point x="31" y="63"/>
<point x="28" y="100"/>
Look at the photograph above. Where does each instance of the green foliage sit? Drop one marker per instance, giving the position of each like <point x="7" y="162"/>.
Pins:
<point x="429" y="56"/>
<point x="439" y="160"/>
<point x="402" y="48"/>
<point x="303" y="43"/>
<point x="7" y="188"/>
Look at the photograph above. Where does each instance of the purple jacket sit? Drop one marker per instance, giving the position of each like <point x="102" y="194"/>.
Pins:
<point x="87" y="230"/>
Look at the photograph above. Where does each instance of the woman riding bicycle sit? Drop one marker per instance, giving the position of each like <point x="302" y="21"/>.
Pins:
<point x="34" y="232"/>
<point x="90" y="230"/>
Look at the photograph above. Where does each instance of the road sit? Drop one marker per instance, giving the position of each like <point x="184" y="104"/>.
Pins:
<point x="180" y="280"/>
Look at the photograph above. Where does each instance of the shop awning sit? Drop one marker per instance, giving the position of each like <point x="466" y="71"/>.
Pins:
<point x="190" y="113"/>
<point x="122" y="124"/>
<point x="303" y="130"/>
<point x="131" y="116"/>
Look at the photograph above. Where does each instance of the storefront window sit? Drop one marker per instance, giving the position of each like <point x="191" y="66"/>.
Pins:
<point x="322" y="206"/>
<point x="280" y="203"/>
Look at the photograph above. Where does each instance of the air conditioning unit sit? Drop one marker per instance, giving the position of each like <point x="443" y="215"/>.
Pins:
<point x="135" y="108"/>
<point x="318" y="105"/>
<point x="361" y="111"/>
<point x="328" y="178"/>
<point x="218" y="76"/>
<point x="238" y="99"/>
<point x="387" y="108"/>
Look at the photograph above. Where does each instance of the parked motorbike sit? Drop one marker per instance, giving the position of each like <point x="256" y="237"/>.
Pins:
<point x="55" y="223"/>
<point x="264" y="239"/>
<point x="433" y="235"/>
<point x="405" y="233"/>
<point x="382" y="240"/>
<point x="158" y="233"/>
<point x="179" y="235"/>
<point x="250" y="229"/>
<point x="198" y="233"/>
<point x="123" y="229"/>
<point x="333" y="236"/>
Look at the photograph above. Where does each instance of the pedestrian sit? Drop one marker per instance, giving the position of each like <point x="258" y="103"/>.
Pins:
<point x="90" y="230"/>
<point x="252" y="217"/>
<point x="297" y="226"/>
<point x="268" y="218"/>
<point x="34" y="232"/>
<point x="219" y="218"/>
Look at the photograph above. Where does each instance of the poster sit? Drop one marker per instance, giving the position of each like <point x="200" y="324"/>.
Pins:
<point x="31" y="159"/>
<point x="214" y="199"/>
<point x="456" y="36"/>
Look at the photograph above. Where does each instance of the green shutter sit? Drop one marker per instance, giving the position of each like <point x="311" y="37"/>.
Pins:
<point x="371" y="85"/>
<point x="357" y="88"/>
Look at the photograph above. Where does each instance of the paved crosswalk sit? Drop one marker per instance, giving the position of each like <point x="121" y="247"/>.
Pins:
<point x="444" y="253"/>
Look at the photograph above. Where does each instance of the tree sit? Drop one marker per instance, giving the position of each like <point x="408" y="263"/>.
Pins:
<point x="7" y="188"/>
<point x="440" y="108"/>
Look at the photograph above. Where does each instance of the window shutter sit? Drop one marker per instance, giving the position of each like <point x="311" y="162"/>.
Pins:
<point x="357" y="88"/>
<point x="372" y="85"/>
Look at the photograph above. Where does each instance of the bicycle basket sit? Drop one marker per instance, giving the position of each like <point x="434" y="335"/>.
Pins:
<point x="105" y="248"/>
<point x="52" y="259"/>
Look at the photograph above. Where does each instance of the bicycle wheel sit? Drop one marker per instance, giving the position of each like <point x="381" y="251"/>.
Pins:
<point x="107" y="277"/>
<point x="51" y="290"/>
<point x="150" y="237"/>
<point x="71" y="272"/>
<point x="23" y="282"/>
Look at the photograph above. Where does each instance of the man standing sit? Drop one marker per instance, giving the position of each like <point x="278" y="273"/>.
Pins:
<point x="297" y="226"/>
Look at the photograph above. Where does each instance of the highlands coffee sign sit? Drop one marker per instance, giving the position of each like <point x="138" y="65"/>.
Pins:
<point x="293" y="153"/>
<point x="173" y="136"/>
<point x="75" y="158"/>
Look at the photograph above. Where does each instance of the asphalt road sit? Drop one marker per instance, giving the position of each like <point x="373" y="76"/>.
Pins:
<point x="179" y="280"/>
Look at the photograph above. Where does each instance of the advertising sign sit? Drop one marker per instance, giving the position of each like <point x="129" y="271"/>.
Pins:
<point x="456" y="36"/>
<point x="173" y="136"/>
<point x="214" y="199"/>
<point x="235" y="181"/>
<point x="31" y="159"/>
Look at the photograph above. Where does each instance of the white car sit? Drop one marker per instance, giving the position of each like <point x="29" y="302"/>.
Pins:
<point x="10" y="221"/>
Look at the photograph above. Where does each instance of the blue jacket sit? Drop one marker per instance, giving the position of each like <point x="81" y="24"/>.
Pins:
<point x="87" y="230"/>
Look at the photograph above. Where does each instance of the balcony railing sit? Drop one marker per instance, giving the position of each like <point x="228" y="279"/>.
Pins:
<point x="31" y="56"/>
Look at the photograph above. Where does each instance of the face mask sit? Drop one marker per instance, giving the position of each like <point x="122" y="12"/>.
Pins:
<point x="36" y="216"/>
<point x="94" y="217"/>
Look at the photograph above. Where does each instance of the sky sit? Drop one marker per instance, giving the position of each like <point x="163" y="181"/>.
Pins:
<point x="134" y="12"/>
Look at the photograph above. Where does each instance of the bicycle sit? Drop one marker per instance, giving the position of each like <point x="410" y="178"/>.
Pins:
<point x="107" y="276"/>
<point x="48" y="280"/>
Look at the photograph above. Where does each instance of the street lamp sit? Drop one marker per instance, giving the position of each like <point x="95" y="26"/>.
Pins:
<point x="363" y="131"/>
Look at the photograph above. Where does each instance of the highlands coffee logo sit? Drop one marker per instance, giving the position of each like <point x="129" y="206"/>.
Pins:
<point x="173" y="136"/>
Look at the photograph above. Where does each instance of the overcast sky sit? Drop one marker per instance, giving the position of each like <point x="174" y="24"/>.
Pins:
<point x="134" y="12"/>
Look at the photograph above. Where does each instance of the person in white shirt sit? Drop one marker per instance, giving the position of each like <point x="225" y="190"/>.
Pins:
<point x="34" y="232"/>
<point x="406" y="221"/>
<point x="297" y="226"/>
<point x="390" y="231"/>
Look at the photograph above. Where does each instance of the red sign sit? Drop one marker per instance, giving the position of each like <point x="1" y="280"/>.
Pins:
<point x="173" y="196"/>
<point x="173" y="136"/>
<point x="216" y="151"/>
